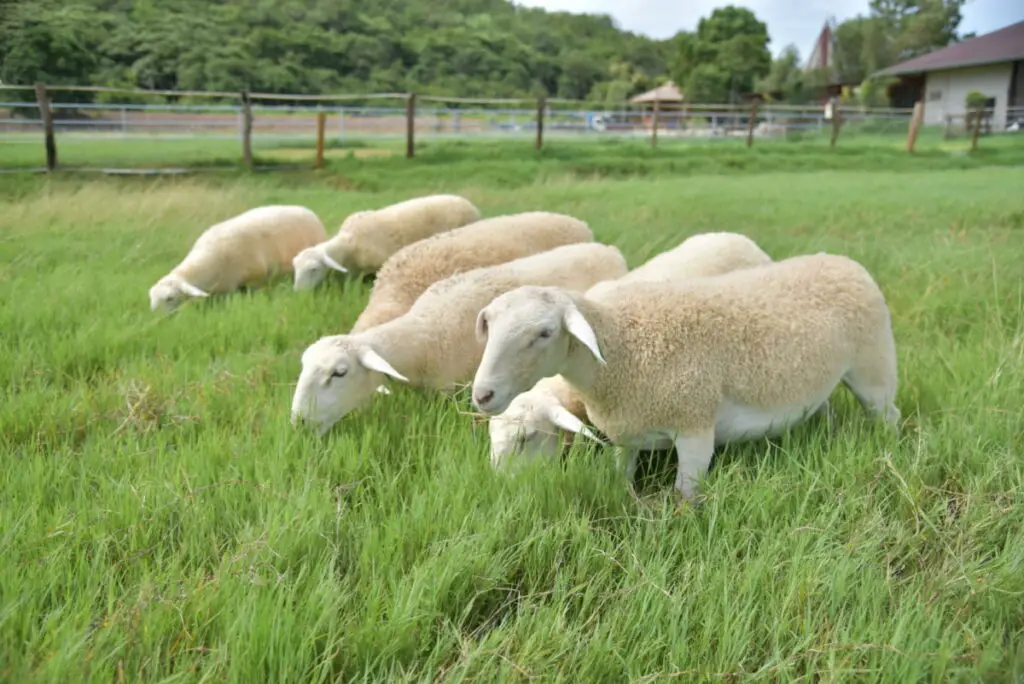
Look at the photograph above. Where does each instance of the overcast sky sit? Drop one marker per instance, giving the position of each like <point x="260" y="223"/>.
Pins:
<point x="663" y="18"/>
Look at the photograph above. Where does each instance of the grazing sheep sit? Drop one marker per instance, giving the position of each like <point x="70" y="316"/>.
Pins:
<point x="366" y="239"/>
<point x="698" y="362"/>
<point x="432" y="345"/>
<point x="243" y="251"/>
<point x="488" y="242"/>
<point x="530" y="425"/>
<point x="535" y="422"/>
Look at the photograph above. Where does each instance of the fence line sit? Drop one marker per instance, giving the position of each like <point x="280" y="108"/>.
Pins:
<point x="343" y="116"/>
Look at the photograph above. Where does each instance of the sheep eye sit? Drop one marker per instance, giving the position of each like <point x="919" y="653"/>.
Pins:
<point x="339" y="373"/>
<point x="545" y="333"/>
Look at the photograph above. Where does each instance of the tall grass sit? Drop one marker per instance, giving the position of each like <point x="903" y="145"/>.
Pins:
<point x="161" y="520"/>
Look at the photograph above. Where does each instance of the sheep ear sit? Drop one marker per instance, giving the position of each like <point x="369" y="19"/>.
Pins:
<point x="561" y="417"/>
<point x="481" y="330"/>
<point x="578" y="327"/>
<point x="191" y="290"/>
<point x="332" y="263"/>
<point x="374" y="361"/>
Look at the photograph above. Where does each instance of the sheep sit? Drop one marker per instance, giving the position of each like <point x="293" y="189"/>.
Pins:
<point x="432" y="345"/>
<point x="696" y="363"/>
<point x="412" y="269"/>
<point x="366" y="239"/>
<point x="243" y="251"/>
<point x="530" y="425"/>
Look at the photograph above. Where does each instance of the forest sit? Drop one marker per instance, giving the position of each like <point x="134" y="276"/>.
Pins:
<point x="462" y="48"/>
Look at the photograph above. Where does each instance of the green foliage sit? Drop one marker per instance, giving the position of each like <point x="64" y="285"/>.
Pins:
<point x="893" y="31"/>
<point x="787" y="79"/>
<point x="161" y="521"/>
<point x="975" y="100"/>
<point x="724" y="58"/>
<point x="461" y="47"/>
<point x="874" y="91"/>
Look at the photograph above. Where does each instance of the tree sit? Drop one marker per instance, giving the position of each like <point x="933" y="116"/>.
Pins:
<point x="914" y="27"/>
<point x="49" y="41"/>
<point x="724" y="58"/>
<point x="460" y="47"/>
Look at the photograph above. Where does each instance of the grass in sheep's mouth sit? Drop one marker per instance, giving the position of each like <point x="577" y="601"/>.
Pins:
<point x="161" y="519"/>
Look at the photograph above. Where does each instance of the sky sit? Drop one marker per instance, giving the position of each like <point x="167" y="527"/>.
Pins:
<point x="663" y="18"/>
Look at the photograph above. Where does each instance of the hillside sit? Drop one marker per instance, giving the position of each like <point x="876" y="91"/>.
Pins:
<point x="452" y="47"/>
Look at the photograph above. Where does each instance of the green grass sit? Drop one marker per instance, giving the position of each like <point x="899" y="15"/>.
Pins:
<point x="162" y="521"/>
<point x="374" y="162"/>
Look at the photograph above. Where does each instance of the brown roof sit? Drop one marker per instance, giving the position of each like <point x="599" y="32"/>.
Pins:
<point x="666" y="92"/>
<point x="1004" y="45"/>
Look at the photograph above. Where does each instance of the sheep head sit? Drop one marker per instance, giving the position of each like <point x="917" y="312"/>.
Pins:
<point x="172" y="291"/>
<point x="529" y="429"/>
<point x="340" y="373"/>
<point x="526" y="334"/>
<point x="311" y="266"/>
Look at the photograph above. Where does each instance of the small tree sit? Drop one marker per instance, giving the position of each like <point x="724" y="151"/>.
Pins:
<point x="975" y="100"/>
<point x="974" y="104"/>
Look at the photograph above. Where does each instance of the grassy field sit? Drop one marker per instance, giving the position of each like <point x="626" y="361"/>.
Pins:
<point x="162" y="521"/>
<point x="509" y="158"/>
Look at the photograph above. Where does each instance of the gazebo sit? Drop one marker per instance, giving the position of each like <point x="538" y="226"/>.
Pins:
<point x="667" y="93"/>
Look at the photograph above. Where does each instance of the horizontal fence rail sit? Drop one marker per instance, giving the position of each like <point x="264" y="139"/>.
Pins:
<point x="92" y="113"/>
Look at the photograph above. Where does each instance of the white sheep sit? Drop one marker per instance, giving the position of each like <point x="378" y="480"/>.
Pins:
<point x="536" y="422"/>
<point x="432" y="345"/>
<point x="366" y="239"/>
<point x="243" y="251"/>
<point x="488" y="242"/>
<point x="530" y="425"/>
<point x="698" y="362"/>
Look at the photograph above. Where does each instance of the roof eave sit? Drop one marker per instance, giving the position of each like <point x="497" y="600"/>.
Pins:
<point x="895" y="71"/>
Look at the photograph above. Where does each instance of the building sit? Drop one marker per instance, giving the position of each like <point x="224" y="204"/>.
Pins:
<point x="822" y="59"/>
<point x="822" y="54"/>
<point x="667" y="95"/>
<point x="991" y="64"/>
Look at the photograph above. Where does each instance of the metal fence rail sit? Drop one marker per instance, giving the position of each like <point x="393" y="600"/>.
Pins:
<point x="285" y="122"/>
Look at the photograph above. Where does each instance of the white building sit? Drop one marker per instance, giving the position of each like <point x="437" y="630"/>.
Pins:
<point x="991" y="64"/>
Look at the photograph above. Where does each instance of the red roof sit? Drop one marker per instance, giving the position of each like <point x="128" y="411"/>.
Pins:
<point x="1004" y="45"/>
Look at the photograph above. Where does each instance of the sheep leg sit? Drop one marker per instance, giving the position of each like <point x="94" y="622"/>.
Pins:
<point x="694" y="451"/>
<point x="626" y="460"/>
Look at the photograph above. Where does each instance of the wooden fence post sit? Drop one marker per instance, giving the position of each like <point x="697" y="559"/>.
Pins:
<point x="657" y="119"/>
<point x="321" y="127"/>
<point x="539" y="142"/>
<point x="915" y="125"/>
<point x="410" y="125"/>
<point x="750" y="124"/>
<point x="46" y="117"/>
<point x="977" y="128"/>
<point x="246" y="130"/>
<point x="837" y="121"/>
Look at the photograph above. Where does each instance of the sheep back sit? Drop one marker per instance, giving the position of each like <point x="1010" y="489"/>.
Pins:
<point x="768" y="336"/>
<point x="251" y="247"/>
<point x="412" y="269"/>
<point x="442" y="320"/>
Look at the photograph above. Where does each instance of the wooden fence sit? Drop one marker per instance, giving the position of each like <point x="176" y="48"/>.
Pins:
<point x="734" y="120"/>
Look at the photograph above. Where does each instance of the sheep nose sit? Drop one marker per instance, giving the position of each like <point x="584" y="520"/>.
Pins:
<point x="482" y="397"/>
